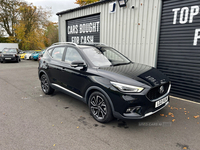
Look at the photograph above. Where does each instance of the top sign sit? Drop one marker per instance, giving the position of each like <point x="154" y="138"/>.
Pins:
<point x="187" y="15"/>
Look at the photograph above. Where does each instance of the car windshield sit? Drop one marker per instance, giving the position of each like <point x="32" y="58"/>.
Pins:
<point x="105" y="56"/>
<point x="9" y="50"/>
<point x="34" y="53"/>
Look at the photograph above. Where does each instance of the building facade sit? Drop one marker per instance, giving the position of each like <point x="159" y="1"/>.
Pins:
<point x="160" y="33"/>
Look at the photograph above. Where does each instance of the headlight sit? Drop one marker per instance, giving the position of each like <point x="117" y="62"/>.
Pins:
<point x="127" y="88"/>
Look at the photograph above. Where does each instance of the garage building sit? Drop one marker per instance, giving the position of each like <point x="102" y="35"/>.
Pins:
<point x="160" y="33"/>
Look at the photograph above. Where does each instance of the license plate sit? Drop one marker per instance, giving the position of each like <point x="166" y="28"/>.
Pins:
<point x="160" y="102"/>
<point x="7" y="58"/>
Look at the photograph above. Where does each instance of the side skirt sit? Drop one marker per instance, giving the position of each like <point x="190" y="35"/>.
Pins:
<point x="68" y="92"/>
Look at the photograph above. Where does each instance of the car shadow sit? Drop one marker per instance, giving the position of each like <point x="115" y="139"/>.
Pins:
<point x="75" y="105"/>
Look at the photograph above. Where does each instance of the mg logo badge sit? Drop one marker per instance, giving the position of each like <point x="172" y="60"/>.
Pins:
<point x="161" y="90"/>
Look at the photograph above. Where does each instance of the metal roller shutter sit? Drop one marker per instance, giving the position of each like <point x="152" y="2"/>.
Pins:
<point x="179" y="47"/>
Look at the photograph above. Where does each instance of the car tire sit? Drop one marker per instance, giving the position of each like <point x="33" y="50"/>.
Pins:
<point x="17" y="60"/>
<point x="100" y="107"/>
<point x="45" y="85"/>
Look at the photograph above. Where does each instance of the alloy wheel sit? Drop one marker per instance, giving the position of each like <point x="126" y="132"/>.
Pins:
<point x="44" y="84"/>
<point x="98" y="107"/>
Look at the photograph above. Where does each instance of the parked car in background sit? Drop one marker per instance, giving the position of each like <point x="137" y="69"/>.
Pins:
<point x="34" y="55"/>
<point x="10" y="54"/>
<point x="22" y="54"/>
<point x="107" y="81"/>
<point x="41" y="54"/>
<point x="28" y="55"/>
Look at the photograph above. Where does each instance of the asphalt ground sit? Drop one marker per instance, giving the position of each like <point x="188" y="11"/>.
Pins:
<point x="30" y="120"/>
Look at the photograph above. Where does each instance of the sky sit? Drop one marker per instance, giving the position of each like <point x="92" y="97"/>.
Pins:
<point x="55" y="5"/>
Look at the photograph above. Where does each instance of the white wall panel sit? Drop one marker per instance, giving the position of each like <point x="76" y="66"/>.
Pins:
<point x="134" y="32"/>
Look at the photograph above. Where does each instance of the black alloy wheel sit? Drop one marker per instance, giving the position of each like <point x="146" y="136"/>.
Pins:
<point x="46" y="88"/>
<point x="100" y="107"/>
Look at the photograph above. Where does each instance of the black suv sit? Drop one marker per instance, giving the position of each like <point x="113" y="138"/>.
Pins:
<point x="10" y="54"/>
<point x="100" y="76"/>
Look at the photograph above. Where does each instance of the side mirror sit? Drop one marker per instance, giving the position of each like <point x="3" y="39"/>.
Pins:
<point x="78" y="64"/>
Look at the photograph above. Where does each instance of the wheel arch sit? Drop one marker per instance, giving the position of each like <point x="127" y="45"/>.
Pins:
<point x="41" y="72"/>
<point x="95" y="88"/>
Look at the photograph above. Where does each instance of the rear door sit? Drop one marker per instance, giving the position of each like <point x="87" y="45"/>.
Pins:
<point x="55" y="66"/>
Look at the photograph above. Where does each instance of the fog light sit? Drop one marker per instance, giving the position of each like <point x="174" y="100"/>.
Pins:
<point x="129" y="110"/>
<point x="136" y="109"/>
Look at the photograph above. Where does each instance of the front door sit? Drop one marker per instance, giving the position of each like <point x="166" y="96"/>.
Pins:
<point x="73" y="79"/>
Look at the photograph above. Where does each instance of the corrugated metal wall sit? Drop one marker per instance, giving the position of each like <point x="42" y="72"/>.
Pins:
<point x="179" y="54"/>
<point x="134" y="32"/>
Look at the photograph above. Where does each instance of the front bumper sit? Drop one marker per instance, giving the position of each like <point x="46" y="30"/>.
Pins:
<point x="136" y="115"/>
<point x="22" y="57"/>
<point x="26" y="57"/>
<point x="35" y="57"/>
<point x="138" y="104"/>
<point x="8" y="59"/>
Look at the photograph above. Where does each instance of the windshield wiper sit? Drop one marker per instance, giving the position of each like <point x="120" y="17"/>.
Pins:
<point x="118" y="64"/>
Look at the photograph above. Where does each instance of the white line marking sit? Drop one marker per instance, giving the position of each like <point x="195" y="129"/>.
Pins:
<point x="184" y="100"/>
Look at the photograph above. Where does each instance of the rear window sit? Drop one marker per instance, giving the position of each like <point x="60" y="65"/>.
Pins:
<point x="57" y="53"/>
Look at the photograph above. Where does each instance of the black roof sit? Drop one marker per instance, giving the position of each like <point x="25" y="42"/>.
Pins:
<point x="82" y="7"/>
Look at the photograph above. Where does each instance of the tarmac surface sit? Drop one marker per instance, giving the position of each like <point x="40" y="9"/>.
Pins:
<point x="30" y="120"/>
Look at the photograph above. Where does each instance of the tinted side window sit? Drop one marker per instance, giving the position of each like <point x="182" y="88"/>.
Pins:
<point x="49" y="51"/>
<point x="58" y="53"/>
<point x="72" y="55"/>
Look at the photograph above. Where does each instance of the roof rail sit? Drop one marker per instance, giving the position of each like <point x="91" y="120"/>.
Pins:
<point x="58" y="43"/>
<point x="96" y="43"/>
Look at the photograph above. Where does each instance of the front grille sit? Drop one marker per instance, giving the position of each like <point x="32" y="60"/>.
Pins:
<point x="8" y="55"/>
<point x="155" y="93"/>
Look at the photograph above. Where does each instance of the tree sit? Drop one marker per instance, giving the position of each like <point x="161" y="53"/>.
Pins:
<point x="30" y="27"/>
<point x="8" y="15"/>
<point x="27" y="24"/>
<point x="51" y="34"/>
<point x="4" y="40"/>
<point x="85" y="2"/>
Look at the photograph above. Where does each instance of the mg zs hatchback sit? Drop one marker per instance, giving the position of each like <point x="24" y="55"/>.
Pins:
<point x="109" y="83"/>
